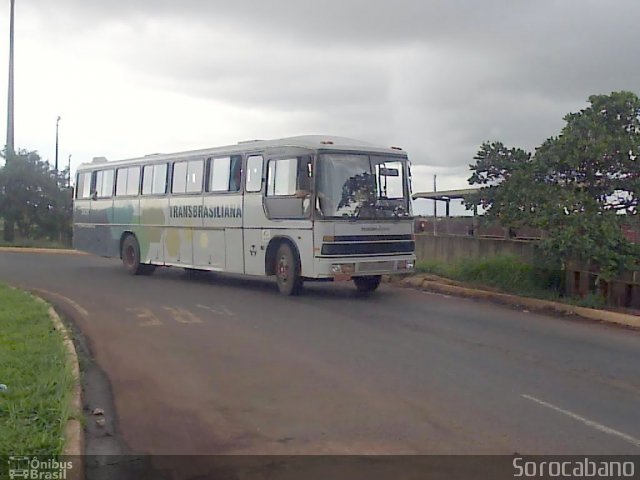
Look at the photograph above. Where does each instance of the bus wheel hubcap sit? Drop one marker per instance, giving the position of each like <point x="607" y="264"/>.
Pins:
<point x="130" y="255"/>
<point x="283" y="269"/>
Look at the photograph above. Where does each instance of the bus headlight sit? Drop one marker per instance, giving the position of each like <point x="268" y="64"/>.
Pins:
<point x="344" y="268"/>
<point x="405" y="265"/>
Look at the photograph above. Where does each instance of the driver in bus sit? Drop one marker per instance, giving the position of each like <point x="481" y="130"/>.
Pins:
<point x="304" y="179"/>
<point x="236" y="175"/>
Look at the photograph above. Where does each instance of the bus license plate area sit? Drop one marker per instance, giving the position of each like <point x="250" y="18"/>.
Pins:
<point x="341" y="277"/>
<point x="376" y="266"/>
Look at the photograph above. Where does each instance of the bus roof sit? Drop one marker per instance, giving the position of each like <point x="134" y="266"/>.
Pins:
<point x="312" y="142"/>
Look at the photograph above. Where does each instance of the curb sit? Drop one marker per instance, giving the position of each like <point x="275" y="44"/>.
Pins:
<point x="515" y="300"/>
<point x="61" y="251"/>
<point x="74" y="433"/>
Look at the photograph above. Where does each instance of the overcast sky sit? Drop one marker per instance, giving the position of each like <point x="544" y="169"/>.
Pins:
<point x="131" y="77"/>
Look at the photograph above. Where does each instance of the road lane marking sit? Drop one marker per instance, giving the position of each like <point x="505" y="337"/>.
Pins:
<point x="182" y="315"/>
<point x="146" y="314"/>
<point x="221" y="310"/>
<point x="586" y="421"/>
<point x="80" y="309"/>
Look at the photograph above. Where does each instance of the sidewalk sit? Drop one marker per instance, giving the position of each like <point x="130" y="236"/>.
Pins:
<point x="434" y="283"/>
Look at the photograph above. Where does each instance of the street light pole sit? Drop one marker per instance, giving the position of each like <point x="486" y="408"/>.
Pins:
<point x="57" y="122"/>
<point x="69" y="173"/>
<point x="10" y="137"/>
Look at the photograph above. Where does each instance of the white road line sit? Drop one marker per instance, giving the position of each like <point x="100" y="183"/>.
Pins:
<point x="218" y="311"/>
<point x="586" y="421"/>
<point x="80" y="309"/>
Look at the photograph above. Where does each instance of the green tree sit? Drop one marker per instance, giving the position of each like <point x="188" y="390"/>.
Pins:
<point x="33" y="200"/>
<point x="578" y="187"/>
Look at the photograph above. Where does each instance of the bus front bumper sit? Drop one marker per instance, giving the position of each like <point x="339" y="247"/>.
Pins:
<point x="347" y="267"/>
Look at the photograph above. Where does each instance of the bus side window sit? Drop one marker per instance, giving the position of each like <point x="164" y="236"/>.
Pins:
<point x="127" y="181"/>
<point x="195" y="175"/>
<point x="219" y="174"/>
<point x="121" y="182"/>
<point x="281" y="177"/>
<point x="179" y="178"/>
<point x="225" y="174"/>
<point x="133" y="181"/>
<point x="159" y="179"/>
<point x="104" y="184"/>
<point x="288" y="188"/>
<point x="147" y="179"/>
<point x="154" y="179"/>
<point x="254" y="174"/>
<point x="83" y="185"/>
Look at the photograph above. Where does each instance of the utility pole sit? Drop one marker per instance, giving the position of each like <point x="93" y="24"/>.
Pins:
<point x="10" y="129"/>
<point x="69" y="173"/>
<point x="9" y="220"/>
<point x="57" y="123"/>
<point x="435" y="207"/>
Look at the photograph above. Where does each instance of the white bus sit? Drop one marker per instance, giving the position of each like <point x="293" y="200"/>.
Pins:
<point x="300" y="208"/>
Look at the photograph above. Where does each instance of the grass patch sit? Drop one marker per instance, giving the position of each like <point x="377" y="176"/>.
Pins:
<point x="509" y="274"/>
<point x="34" y="365"/>
<point x="505" y="272"/>
<point x="592" y="300"/>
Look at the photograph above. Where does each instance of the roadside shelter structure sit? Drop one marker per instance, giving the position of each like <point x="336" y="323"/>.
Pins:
<point x="446" y="196"/>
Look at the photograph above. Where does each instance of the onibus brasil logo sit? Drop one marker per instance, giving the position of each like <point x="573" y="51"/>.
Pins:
<point x="35" y="468"/>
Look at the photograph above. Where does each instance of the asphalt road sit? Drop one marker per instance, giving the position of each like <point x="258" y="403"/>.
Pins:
<point x="226" y="365"/>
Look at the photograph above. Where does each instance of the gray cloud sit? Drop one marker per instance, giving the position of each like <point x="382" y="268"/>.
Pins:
<point x="436" y="77"/>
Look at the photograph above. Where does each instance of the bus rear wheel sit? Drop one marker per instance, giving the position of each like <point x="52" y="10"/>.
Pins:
<point x="288" y="271"/>
<point x="367" y="284"/>
<point x="131" y="258"/>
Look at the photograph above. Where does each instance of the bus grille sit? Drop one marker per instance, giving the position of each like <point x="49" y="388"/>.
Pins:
<point x="369" y="245"/>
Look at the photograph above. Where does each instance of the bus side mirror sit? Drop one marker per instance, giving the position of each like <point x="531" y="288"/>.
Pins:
<point x="302" y="194"/>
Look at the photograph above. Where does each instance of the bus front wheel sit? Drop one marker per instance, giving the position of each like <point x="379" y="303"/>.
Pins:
<point x="367" y="284"/>
<point x="131" y="257"/>
<point x="288" y="271"/>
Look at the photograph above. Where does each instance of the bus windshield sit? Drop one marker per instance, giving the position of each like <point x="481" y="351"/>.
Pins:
<point x="362" y="186"/>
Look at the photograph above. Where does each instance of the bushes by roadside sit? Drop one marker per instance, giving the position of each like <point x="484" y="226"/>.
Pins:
<point x="505" y="272"/>
<point x="31" y="243"/>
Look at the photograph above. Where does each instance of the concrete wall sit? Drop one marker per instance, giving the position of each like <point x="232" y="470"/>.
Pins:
<point x="449" y="249"/>
<point x="621" y="292"/>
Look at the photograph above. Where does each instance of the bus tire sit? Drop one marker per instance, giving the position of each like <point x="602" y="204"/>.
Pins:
<point x="367" y="284"/>
<point x="287" y="269"/>
<point x="131" y="257"/>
